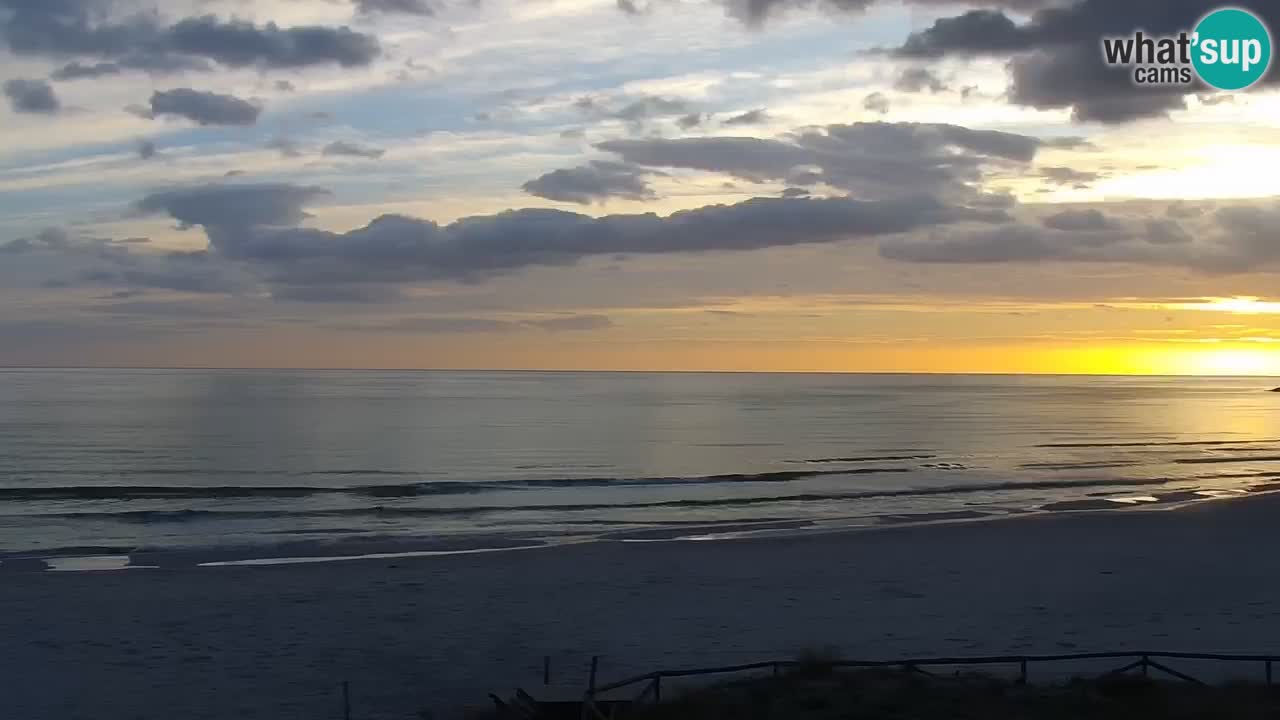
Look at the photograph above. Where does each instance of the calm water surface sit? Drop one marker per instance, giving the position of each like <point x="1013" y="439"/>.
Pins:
<point x="247" y="464"/>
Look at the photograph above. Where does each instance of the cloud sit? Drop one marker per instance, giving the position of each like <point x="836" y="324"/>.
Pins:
<point x="1003" y="244"/>
<point x="451" y="325"/>
<point x="346" y="294"/>
<point x="81" y="71"/>
<point x="651" y="107"/>
<point x="876" y="102"/>
<point x="919" y="79"/>
<point x="596" y="181"/>
<point x="250" y="224"/>
<point x="1085" y="220"/>
<point x="234" y="205"/>
<point x="342" y="148"/>
<point x="1056" y="60"/>
<point x="1068" y="176"/>
<point x="1232" y="239"/>
<point x="205" y="108"/>
<point x="752" y="117"/>
<point x="407" y="7"/>
<point x="238" y="44"/>
<point x="287" y="147"/>
<point x="85" y="29"/>
<point x="757" y="12"/>
<point x="191" y="272"/>
<point x="31" y="96"/>
<point x="147" y="149"/>
<point x="1164" y="231"/>
<point x="690" y="121"/>
<point x="76" y="261"/>
<point x="868" y="159"/>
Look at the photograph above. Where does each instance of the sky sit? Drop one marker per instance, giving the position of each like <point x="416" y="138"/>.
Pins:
<point x="739" y="185"/>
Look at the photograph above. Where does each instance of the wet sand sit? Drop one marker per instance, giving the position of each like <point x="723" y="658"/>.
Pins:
<point x="441" y="632"/>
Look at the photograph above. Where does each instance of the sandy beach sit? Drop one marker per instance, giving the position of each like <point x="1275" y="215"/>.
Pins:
<point x="439" y="633"/>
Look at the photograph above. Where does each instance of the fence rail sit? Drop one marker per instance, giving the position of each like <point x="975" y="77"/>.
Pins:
<point x="1139" y="660"/>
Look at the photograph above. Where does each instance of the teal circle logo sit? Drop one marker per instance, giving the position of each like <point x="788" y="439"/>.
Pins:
<point x="1231" y="49"/>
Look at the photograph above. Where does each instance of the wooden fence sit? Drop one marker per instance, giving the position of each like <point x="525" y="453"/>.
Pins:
<point x="593" y="706"/>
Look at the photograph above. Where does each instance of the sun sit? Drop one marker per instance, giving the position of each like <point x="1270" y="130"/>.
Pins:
<point x="1235" y="361"/>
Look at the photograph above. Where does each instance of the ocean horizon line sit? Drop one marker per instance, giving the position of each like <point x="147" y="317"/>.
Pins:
<point x="626" y="371"/>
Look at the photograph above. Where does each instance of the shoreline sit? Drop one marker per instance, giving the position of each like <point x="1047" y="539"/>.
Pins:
<point x="379" y="549"/>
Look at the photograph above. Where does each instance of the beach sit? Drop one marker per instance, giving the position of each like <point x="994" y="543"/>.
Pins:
<point x="439" y="633"/>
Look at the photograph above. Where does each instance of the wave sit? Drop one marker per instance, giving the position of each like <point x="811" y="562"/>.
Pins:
<point x="1167" y="443"/>
<point x="444" y="487"/>
<point x="865" y="458"/>
<point x="1088" y="465"/>
<point x="1219" y="460"/>
<point x="410" y="511"/>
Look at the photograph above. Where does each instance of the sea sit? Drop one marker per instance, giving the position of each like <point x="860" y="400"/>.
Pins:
<point x="107" y="469"/>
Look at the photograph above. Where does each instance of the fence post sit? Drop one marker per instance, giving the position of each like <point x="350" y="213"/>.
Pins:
<point x="1268" y="672"/>
<point x="1022" y="675"/>
<point x="657" y="690"/>
<point x="1146" y="666"/>
<point x="546" y="669"/>
<point x="346" y="700"/>
<point x="589" y="702"/>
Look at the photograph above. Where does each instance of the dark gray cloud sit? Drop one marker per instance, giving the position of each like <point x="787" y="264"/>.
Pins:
<point x="691" y="121"/>
<point x="1232" y="239"/>
<point x="101" y="263"/>
<point x="1079" y="220"/>
<point x="343" y="148"/>
<point x="205" y="108"/>
<point x="88" y="29"/>
<point x="1068" y="176"/>
<point x="919" y="79"/>
<point x="147" y="149"/>
<point x="234" y="205"/>
<point x="876" y="102"/>
<point x="1013" y="242"/>
<point x="756" y="12"/>
<point x="1056" y="60"/>
<point x="238" y="43"/>
<point x="82" y="71"/>
<point x="248" y="224"/>
<point x="407" y="7"/>
<point x="632" y="7"/>
<point x="191" y="272"/>
<point x="596" y="181"/>
<point x="758" y="116"/>
<point x="867" y="159"/>
<point x="47" y="239"/>
<point x="31" y="96"/>
<point x="1164" y="231"/>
